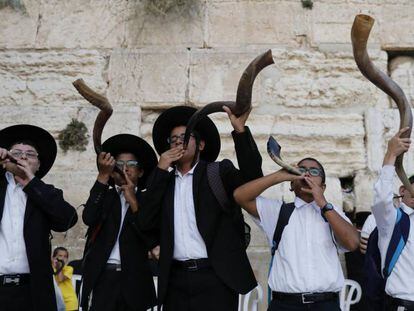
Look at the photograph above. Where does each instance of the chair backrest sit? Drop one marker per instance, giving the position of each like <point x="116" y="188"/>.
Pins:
<point x="250" y="301"/>
<point x="350" y="294"/>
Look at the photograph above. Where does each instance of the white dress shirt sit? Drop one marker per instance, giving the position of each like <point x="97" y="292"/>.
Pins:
<point x="188" y="243"/>
<point x="400" y="283"/>
<point x="115" y="256"/>
<point x="13" y="257"/>
<point x="307" y="257"/>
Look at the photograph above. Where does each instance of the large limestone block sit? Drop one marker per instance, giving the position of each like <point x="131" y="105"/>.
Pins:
<point x="179" y="27"/>
<point x="18" y="26"/>
<point x="310" y="79"/>
<point x="241" y="23"/>
<point x="402" y="72"/>
<point x="82" y="24"/>
<point x="155" y="79"/>
<point x="45" y="77"/>
<point x="215" y="74"/>
<point x="396" y="25"/>
<point x="364" y="190"/>
<point x="381" y="125"/>
<point x="332" y="21"/>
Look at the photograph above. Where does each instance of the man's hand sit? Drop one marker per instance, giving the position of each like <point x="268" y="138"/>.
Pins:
<point x="286" y="176"/>
<point x="237" y="122"/>
<point x="3" y="155"/>
<point x="129" y="193"/>
<point x="396" y="146"/>
<point x="363" y="242"/>
<point x="316" y="191"/>
<point x="170" y="156"/>
<point x="106" y="164"/>
<point x="154" y="253"/>
<point x="25" y="167"/>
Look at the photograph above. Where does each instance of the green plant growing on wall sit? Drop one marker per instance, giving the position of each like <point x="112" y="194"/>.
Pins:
<point x="307" y="4"/>
<point x="74" y="136"/>
<point x="17" y="5"/>
<point x="163" y="7"/>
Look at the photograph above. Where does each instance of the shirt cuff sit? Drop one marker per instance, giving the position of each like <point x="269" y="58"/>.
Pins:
<point x="387" y="172"/>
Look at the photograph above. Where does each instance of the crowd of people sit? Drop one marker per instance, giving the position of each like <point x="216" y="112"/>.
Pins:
<point x="185" y="211"/>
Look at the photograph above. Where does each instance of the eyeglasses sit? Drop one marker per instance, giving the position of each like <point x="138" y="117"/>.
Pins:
<point x="130" y="163"/>
<point x="173" y="139"/>
<point x="313" y="171"/>
<point x="17" y="153"/>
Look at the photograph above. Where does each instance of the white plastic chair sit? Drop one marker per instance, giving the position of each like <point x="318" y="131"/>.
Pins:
<point x="250" y="302"/>
<point x="350" y="294"/>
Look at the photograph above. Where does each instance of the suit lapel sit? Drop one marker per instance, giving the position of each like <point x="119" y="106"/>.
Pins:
<point x="199" y="172"/>
<point x="3" y="188"/>
<point x="169" y="197"/>
<point x="28" y="211"/>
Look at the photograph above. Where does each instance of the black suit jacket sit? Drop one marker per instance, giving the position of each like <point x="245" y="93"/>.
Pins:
<point x="104" y="206"/>
<point x="220" y="232"/>
<point x="45" y="210"/>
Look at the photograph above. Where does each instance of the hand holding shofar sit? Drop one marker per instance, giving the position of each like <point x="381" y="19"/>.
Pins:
<point x="244" y="94"/>
<point x="359" y="36"/>
<point x="12" y="167"/>
<point x="103" y="104"/>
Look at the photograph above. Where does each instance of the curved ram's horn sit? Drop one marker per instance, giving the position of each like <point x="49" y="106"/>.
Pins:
<point x="244" y="94"/>
<point x="359" y="36"/>
<point x="273" y="149"/>
<point x="103" y="104"/>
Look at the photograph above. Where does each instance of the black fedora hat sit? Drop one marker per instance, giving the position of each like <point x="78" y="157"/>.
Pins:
<point x="44" y="142"/>
<point x="179" y="115"/>
<point x="127" y="143"/>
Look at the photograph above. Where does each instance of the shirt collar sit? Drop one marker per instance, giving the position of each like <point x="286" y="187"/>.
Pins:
<point x="300" y="203"/>
<point x="190" y="172"/>
<point x="10" y="180"/>
<point x="408" y="210"/>
<point x="119" y="189"/>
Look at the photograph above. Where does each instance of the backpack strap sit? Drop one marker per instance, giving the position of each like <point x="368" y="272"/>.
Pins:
<point x="286" y="211"/>
<point x="216" y="184"/>
<point x="398" y="241"/>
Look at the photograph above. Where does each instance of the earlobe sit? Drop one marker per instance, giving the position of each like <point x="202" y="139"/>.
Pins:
<point x="201" y="145"/>
<point x="141" y="173"/>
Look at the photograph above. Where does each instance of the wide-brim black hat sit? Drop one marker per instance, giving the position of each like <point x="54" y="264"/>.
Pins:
<point x="44" y="143"/>
<point x="127" y="143"/>
<point x="177" y="116"/>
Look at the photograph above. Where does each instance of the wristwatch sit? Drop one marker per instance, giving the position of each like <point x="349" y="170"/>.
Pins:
<point x="328" y="207"/>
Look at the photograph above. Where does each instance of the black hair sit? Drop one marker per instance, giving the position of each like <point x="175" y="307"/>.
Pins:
<point x="25" y="142"/>
<point x="59" y="248"/>
<point x="411" y="179"/>
<point x="319" y="164"/>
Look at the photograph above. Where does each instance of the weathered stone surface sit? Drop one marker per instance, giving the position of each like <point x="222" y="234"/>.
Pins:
<point x="402" y="72"/>
<point x="255" y="23"/>
<point x="150" y="78"/>
<point x="45" y="77"/>
<point x="183" y="27"/>
<point x="80" y="23"/>
<point x="18" y="27"/>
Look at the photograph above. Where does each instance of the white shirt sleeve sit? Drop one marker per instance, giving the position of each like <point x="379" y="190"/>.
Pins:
<point x="368" y="227"/>
<point x="383" y="209"/>
<point x="268" y="211"/>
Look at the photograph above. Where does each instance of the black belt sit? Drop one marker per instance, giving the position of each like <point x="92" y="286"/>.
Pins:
<point x="396" y="302"/>
<point x="192" y="264"/>
<point x="304" y="298"/>
<point x="113" y="267"/>
<point x="9" y="280"/>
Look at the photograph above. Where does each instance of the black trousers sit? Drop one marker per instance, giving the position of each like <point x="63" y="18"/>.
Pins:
<point x="332" y="305"/>
<point x="107" y="295"/>
<point x="391" y="305"/>
<point x="199" y="290"/>
<point x="16" y="298"/>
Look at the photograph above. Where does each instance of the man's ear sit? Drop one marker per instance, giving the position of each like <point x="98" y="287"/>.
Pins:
<point x="38" y="166"/>
<point x="141" y="173"/>
<point x="201" y="145"/>
<point x="401" y="190"/>
<point x="324" y="186"/>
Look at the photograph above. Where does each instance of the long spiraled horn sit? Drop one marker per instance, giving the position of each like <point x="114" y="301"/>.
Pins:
<point x="103" y="104"/>
<point x="359" y="36"/>
<point x="244" y="94"/>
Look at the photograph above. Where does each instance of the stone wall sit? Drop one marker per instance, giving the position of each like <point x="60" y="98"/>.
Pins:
<point x="313" y="100"/>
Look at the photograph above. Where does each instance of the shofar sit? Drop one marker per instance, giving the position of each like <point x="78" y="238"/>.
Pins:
<point x="359" y="35"/>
